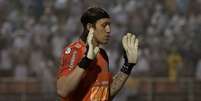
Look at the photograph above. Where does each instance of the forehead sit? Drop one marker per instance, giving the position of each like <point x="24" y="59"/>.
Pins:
<point x="103" y="20"/>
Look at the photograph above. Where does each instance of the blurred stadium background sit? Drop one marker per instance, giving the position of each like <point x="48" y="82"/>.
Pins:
<point x="33" y="33"/>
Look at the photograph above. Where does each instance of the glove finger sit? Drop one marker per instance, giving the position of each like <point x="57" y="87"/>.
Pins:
<point x="129" y="40"/>
<point x="124" y="42"/>
<point x="90" y="36"/>
<point x="132" y="41"/>
<point x="136" y="44"/>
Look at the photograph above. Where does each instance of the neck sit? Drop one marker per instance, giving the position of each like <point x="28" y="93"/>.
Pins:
<point x="95" y="43"/>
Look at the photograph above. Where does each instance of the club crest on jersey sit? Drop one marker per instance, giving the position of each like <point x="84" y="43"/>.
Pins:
<point x="68" y="50"/>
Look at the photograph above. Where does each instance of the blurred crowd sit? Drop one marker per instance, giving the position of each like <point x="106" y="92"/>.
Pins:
<point x="34" y="32"/>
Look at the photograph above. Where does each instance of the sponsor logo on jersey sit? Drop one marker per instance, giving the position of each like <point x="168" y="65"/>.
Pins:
<point x="72" y="60"/>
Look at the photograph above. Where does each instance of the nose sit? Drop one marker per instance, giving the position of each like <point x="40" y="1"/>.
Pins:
<point x="108" y="29"/>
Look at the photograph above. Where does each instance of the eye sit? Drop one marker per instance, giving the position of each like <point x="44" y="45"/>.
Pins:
<point x="105" y="24"/>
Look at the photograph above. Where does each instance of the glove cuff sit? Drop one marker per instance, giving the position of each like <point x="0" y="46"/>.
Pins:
<point x="85" y="62"/>
<point x="127" y="68"/>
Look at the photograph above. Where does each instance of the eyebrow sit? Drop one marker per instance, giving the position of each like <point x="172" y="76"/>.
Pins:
<point x="108" y="22"/>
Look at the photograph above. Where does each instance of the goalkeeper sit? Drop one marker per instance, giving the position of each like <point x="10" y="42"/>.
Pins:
<point x="84" y="74"/>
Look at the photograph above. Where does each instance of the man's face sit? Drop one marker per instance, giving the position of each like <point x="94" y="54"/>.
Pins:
<point x="102" y="31"/>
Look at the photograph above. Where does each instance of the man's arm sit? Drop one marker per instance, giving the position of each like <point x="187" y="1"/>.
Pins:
<point x="66" y="84"/>
<point x="130" y="44"/>
<point x="117" y="83"/>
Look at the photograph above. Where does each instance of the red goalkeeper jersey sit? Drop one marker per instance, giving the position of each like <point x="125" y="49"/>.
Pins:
<point x="95" y="83"/>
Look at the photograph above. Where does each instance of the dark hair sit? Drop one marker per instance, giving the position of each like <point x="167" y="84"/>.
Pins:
<point x="91" y="16"/>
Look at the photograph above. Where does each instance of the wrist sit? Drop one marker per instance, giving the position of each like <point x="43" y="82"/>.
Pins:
<point x="127" y="67"/>
<point x="85" y="62"/>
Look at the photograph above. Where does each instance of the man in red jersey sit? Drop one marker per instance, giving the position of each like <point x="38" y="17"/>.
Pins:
<point x="83" y="74"/>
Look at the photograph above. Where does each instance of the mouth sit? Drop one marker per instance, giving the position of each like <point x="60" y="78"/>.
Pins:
<point x="107" y="37"/>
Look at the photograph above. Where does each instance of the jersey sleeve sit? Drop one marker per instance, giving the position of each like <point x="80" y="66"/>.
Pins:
<point x="71" y="56"/>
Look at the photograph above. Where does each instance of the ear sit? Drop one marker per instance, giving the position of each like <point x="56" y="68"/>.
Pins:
<point x="89" y="25"/>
